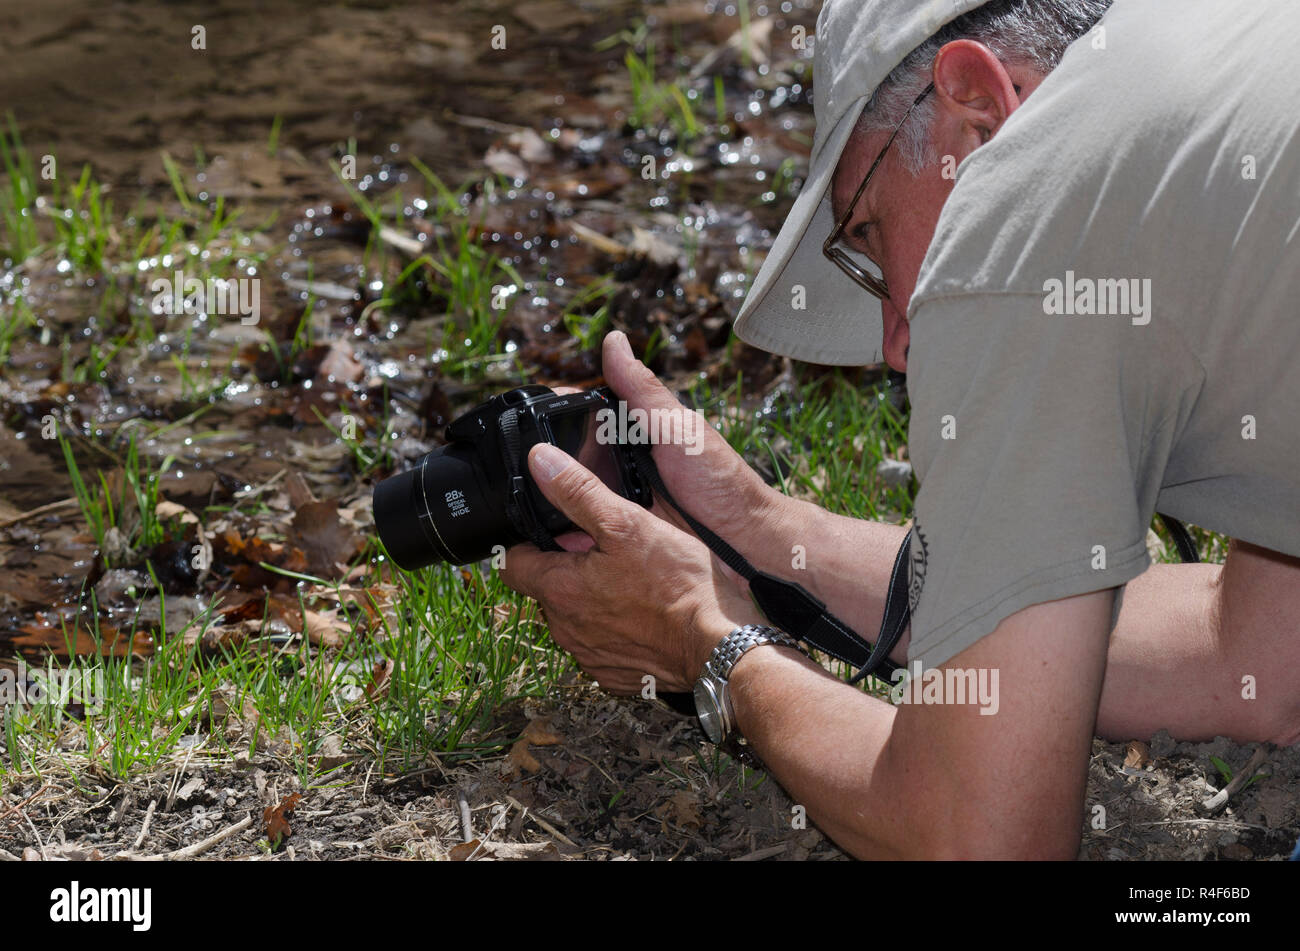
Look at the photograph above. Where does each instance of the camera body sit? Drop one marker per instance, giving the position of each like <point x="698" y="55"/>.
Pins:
<point x="464" y="499"/>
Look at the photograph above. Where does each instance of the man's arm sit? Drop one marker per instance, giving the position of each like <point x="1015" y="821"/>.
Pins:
<point x="942" y="780"/>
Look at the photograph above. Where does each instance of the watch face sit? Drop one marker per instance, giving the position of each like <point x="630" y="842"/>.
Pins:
<point x="708" y="709"/>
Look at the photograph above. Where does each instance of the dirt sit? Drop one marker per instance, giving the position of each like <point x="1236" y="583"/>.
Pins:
<point x="590" y="776"/>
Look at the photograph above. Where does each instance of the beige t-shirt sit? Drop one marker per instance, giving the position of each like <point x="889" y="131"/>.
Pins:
<point x="1107" y="323"/>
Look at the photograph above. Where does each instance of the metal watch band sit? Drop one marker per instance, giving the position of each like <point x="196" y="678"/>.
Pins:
<point x="729" y="651"/>
<point x="713" y="691"/>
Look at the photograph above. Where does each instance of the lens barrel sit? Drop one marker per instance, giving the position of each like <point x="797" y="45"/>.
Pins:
<point x="441" y="510"/>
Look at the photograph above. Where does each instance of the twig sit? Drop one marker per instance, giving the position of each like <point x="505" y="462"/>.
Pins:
<point x="144" y="829"/>
<point x="1217" y="822"/>
<point x="760" y="854"/>
<point x="489" y="125"/>
<point x="466" y="823"/>
<point x="190" y="851"/>
<point x="1215" y="804"/>
<point x="39" y="510"/>
<point x="22" y="805"/>
<point x="540" y="822"/>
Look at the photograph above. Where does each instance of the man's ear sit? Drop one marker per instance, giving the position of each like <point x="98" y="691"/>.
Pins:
<point x="976" y="94"/>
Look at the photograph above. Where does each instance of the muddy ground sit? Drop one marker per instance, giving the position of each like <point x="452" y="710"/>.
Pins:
<point x="592" y="776"/>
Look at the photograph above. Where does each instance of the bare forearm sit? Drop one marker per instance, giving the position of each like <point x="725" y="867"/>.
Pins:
<point x="845" y="562"/>
<point x="824" y="742"/>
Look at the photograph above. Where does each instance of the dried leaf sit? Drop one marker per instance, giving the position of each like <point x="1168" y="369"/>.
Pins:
<point x="325" y="629"/>
<point x="380" y="676"/>
<point x="681" y="810"/>
<point x="277" y="821"/>
<point x="537" y="734"/>
<point x="459" y="853"/>
<point x="1137" y="755"/>
<point x="522" y="761"/>
<point x="323" y="537"/>
<point x="167" y="510"/>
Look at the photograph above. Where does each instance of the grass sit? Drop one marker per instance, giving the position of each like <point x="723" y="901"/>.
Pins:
<point x="657" y="104"/>
<point x="18" y="199"/>
<point x="458" y="648"/>
<point x="586" y="315"/>
<point x="131" y="508"/>
<point x="452" y="645"/>
<point x="16" y="318"/>
<point x="823" y="441"/>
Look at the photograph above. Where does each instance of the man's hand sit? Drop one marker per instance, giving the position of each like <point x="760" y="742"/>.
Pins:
<point x="708" y="478"/>
<point x="636" y="596"/>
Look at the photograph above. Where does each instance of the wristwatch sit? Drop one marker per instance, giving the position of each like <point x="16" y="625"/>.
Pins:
<point x="712" y="691"/>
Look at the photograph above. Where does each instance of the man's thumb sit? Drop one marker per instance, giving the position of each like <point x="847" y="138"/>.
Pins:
<point x="574" y="490"/>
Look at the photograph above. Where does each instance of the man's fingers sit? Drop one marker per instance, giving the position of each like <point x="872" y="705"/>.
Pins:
<point x="526" y="568"/>
<point x="631" y="379"/>
<point x="580" y="495"/>
<point x="636" y="384"/>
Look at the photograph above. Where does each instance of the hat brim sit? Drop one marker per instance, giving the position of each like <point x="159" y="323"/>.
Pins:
<point x="839" y="323"/>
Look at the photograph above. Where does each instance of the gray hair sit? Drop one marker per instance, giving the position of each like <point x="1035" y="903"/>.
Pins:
<point x="1032" y="33"/>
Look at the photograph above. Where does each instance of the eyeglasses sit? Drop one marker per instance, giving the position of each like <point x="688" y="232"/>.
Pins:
<point x="869" y="282"/>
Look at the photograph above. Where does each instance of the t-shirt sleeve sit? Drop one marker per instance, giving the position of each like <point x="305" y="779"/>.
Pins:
<point x="1039" y="442"/>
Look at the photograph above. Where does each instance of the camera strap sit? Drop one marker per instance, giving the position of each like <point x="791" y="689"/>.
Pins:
<point x="518" y="510"/>
<point x="792" y="608"/>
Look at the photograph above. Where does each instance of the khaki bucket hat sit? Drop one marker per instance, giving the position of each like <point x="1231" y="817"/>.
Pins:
<point x="859" y="43"/>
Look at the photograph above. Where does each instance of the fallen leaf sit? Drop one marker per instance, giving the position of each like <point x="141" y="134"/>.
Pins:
<point x="526" y="851"/>
<point x="166" y="510"/>
<point x="459" y="853"/>
<point x="277" y="821"/>
<point x="380" y="676"/>
<point x="340" y="364"/>
<point x="537" y="734"/>
<point x="323" y="537"/>
<point x="325" y="629"/>
<point x="681" y="810"/>
<point x="1137" y="755"/>
<point x="520" y="760"/>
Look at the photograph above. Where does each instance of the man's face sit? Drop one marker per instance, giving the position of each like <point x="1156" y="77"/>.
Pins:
<point x="892" y="225"/>
<point x="894" y="219"/>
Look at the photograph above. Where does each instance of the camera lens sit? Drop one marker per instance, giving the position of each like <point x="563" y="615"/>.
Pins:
<point x="441" y="510"/>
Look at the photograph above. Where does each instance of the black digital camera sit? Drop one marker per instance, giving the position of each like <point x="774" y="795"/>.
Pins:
<point x="461" y="501"/>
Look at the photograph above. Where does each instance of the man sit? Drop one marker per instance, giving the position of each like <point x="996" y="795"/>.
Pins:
<point x="1085" y="243"/>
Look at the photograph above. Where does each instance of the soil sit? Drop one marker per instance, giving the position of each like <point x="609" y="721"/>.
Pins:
<point x="601" y="778"/>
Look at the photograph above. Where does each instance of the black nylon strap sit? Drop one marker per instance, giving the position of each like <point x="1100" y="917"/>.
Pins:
<point x="787" y="604"/>
<point x="1183" y="540"/>
<point x="517" y="509"/>
<point x="898" y="612"/>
